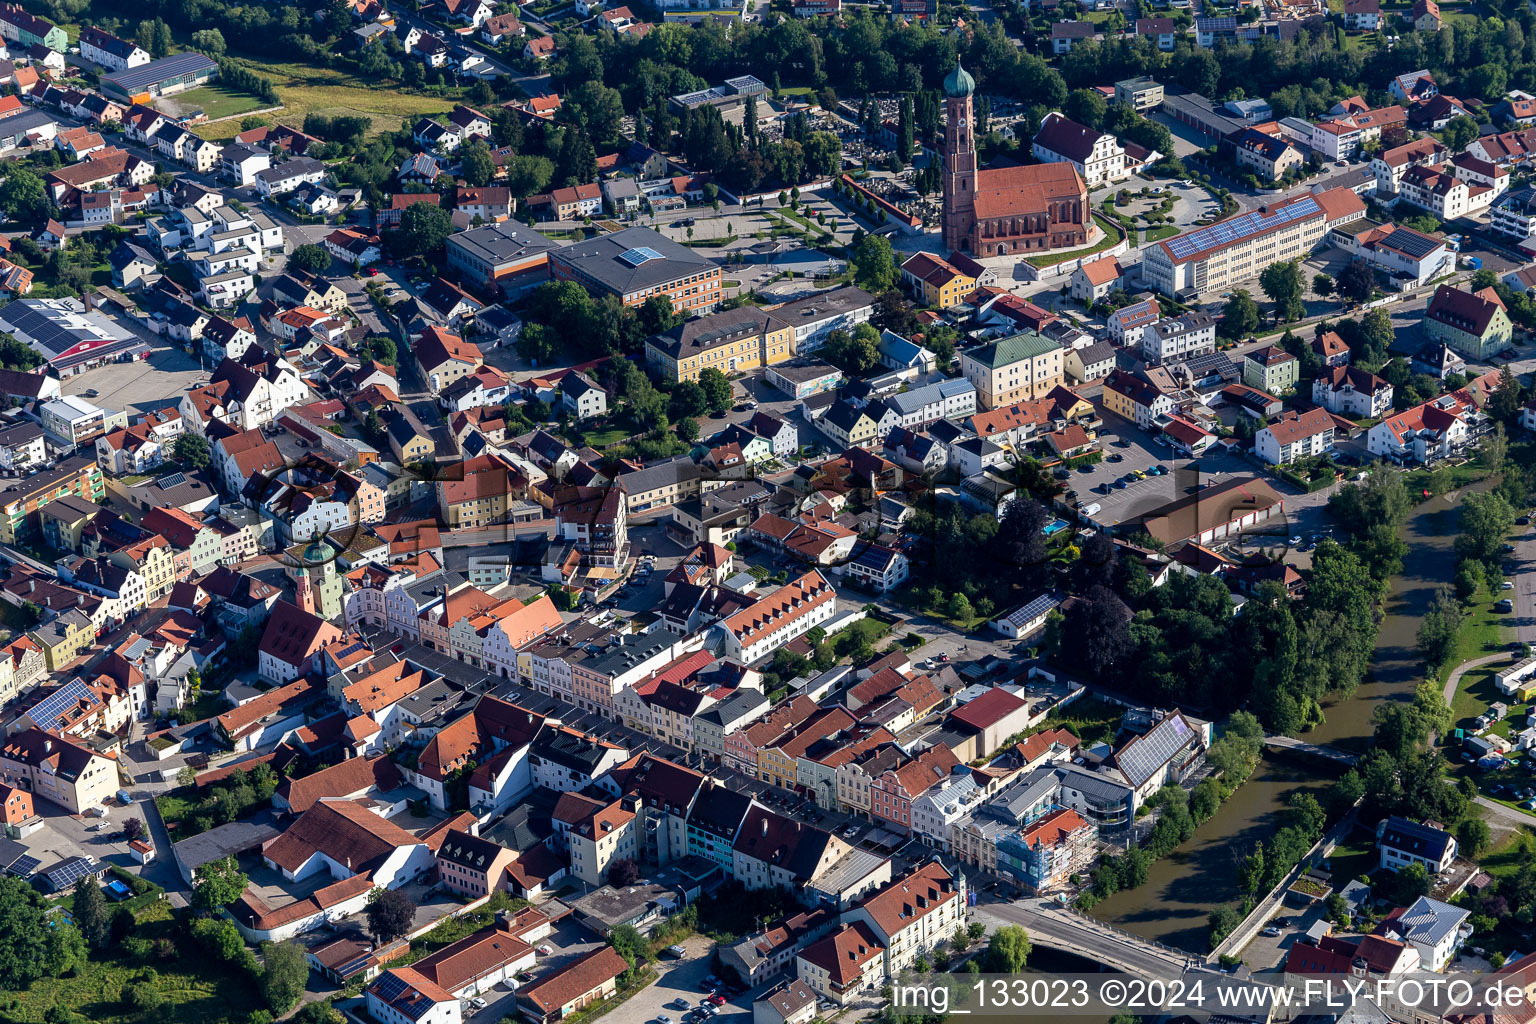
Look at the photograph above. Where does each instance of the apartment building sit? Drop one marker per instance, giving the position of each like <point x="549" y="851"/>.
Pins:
<point x="1176" y="339"/>
<point x="1295" y="436"/>
<point x="1098" y="156"/>
<point x="768" y="624"/>
<point x="1024" y="366"/>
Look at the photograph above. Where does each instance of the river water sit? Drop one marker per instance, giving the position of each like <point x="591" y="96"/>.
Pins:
<point x="1183" y="887"/>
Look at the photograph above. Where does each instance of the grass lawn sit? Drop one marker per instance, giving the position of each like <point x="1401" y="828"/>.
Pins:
<point x="1159" y="233"/>
<point x="305" y="90"/>
<point x="198" y="989"/>
<point x="1089" y="718"/>
<point x="218" y="101"/>
<point x="1460" y="476"/>
<point x="601" y="439"/>
<point x="1111" y="237"/>
<point x="1353" y="858"/>
<point x="1482" y="633"/>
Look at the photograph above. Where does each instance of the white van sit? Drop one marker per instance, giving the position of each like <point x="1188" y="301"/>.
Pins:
<point x="1092" y="510"/>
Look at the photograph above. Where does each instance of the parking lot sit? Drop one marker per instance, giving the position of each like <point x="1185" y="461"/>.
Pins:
<point x="1303" y="515"/>
<point x="682" y="979"/>
<point x="142" y="386"/>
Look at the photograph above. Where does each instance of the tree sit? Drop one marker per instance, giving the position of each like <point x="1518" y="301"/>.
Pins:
<point x="317" y="1012"/>
<point x="629" y="944"/>
<point x="1322" y="284"/>
<point x="1439" y="627"/>
<point x="717" y="389"/>
<point x="191" y="450"/>
<point x="1495" y="448"/>
<point x="687" y="429"/>
<point x="1357" y="281"/>
<point x="1283" y="284"/>
<point x="1473" y="837"/>
<point x="284" y="973"/>
<point x="477" y="167"/>
<point x="1240" y="316"/>
<point x="133" y="828"/>
<point x="23" y="196"/>
<point x="1505" y="402"/>
<point x="219" y="883"/>
<point x="89" y="908"/>
<point x="622" y="872"/>
<point x="310" y="258"/>
<point x="28" y="948"/>
<point x="1459" y="133"/>
<point x="1485" y="518"/>
<point x="423" y="228"/>
<point x="145" y="997"/>
<point x="874" y="263"/>
<point x="209" y="41"/>
<point x="390" y="915"/>
<point x="853" y="353"/>
<point x="1007" y="950"/>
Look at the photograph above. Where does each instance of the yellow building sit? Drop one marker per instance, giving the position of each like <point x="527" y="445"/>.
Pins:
<point x="848" y="425"/>
<point x="152" y="559"/>
<point x="1013" y="369"/>
<point x="64" y="638"/>
<point x="936" y="282"/>
<point x="731" y="341"/>
<point x="478" y="491"/>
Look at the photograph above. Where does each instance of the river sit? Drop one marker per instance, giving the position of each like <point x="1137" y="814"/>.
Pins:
<point x="1183" y="887"/>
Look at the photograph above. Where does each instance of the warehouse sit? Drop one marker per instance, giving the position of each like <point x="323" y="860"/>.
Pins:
<point x="165" y="77"/>
<point x="67" y="335"/>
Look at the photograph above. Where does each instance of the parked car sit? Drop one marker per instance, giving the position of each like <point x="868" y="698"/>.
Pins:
<point x="1271" y="932"/>
<point x="677" y="950"/>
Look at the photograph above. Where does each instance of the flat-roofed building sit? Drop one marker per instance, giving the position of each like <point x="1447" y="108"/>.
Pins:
<point x="506" y="256"/>
<point x="638" y="263"/>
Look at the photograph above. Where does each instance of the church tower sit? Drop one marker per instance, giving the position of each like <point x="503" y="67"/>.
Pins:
<point x="959" y="161"/>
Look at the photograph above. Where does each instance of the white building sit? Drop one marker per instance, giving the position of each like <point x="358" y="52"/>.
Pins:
<point x="1098" y="156"/>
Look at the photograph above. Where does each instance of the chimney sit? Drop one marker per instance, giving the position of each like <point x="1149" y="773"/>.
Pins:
<point x="765" y="827"/>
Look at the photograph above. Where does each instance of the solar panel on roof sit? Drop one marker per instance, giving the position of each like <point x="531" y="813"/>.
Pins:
<point x="1411" y="242"/>
<point x="640" y="254"/>
<point x="24" y="866"/>
<point x="171" y="480"/>
<point x="71" y="871"/>
<point x="389" y="987"/>
<point x="47" y="710"/>
<point x="1141" y="759"/>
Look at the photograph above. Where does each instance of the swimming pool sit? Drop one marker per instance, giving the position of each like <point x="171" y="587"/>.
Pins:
<point x="117" y="890"/>
<point x="1053" y="527"/>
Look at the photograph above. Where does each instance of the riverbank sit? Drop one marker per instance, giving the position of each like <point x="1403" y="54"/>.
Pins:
<point x="1182" y="888"/>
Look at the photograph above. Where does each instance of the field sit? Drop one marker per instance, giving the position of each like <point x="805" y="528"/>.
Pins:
<point x="305" y="90"/>
<point x="214" y="100"/>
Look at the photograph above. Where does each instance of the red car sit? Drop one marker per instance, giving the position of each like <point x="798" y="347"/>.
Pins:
<point x="372" y="271"/>
<point x="716" y="1000"/>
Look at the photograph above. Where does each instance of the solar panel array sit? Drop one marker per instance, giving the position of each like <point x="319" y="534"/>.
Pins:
<point x="71" y="871"/>
<point x="638" y="255"/>
<point x="389" y="987"/>
<point x="171" y="480"/>
<point x="24" y="866"/>
<point x="1142" y="759"/>
<point x="1411" y="242"/>
<point x="47" y="711"/>
<point x="1239" y="228"/>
